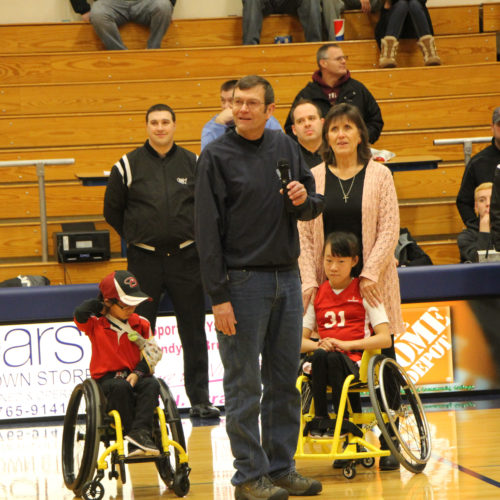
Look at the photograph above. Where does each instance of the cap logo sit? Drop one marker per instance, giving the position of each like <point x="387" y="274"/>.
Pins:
<point x="130" y="281"/>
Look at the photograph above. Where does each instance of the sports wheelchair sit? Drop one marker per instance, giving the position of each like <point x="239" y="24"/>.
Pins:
<point x="397" y="412"/>
<point x="87" y="424"/>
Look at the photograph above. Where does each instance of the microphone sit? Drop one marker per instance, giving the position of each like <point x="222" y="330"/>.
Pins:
<point x="285" y="175"/>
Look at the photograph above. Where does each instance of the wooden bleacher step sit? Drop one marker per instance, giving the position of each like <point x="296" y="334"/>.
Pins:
<point x="218" y="32"/>
<point x="108" y="66"/>
<point x="399" y="83"/>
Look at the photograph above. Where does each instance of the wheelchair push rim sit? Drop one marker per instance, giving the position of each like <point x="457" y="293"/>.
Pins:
<point x="399" y="413"/>
<point x="81" y="436"/>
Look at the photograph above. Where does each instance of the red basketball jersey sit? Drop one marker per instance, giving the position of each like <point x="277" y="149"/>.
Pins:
<point x="342" y="316"/>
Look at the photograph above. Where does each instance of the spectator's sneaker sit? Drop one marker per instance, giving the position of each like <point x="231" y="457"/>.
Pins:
<point x="389" y="463"/>
<point x="142" y="439"/>
<point x="204" y="410"/>
<point x="298" y="485"/>
<point x="258" y="489"/>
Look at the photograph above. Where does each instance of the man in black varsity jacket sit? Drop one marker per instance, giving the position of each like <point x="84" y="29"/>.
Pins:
<point x="107" y="16"/>
<point x="149" y="201"/>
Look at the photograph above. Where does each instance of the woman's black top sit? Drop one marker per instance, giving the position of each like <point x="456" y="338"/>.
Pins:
<point x="344" y="215"/>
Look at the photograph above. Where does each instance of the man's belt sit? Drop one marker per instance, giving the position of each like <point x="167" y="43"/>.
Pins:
<point x="162" y="251"/>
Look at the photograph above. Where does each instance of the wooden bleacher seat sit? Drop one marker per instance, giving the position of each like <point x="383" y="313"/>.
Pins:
<point x="24" y="238"/>
<point x="442" y="251"/>
<point x="101" y="128"/>
<point x="130" y="95"/>
<point x="108" y="66"/>
<point x="491" y="17"/>
<point x="59" y="274"/>
<point x="430" y="216"/>
<point x="447" y="20"/>
<point x="218" y="32"/>
<point x="75" y="99"/>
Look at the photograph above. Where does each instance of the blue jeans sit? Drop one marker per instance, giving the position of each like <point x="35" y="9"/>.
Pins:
<point x="268" y="311"/>
<point x="107" y="15"/>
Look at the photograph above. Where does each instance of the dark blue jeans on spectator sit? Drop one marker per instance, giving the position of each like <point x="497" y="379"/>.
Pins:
<point x="260" y="370"/>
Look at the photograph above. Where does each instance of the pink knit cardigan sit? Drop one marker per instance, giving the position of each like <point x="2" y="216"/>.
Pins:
<point x="380" y="233"/>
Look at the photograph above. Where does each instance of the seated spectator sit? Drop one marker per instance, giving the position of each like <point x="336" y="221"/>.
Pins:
<point x="408" y="252"/>
<point x="332" y="84"/>
<point x="481" y="168"/>
<point x="471" y="240"/>
<point x="495" y="210"/>
<point x="333" y="9"/>
<point x="405" y="19"/>
<point x="221" y="121"/>
<point x="307" y="125"/>
<point x="107" y="16"/>
<point x="254" y="11"/>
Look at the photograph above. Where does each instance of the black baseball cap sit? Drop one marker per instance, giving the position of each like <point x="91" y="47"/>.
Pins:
<point x="123" y="286"/>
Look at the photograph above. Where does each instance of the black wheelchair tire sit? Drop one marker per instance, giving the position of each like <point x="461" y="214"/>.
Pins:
<point x="168" y="466"/>
<point x="406" y="431"/>
<point x="78" y="471"/>
<point x="181" y="484"/>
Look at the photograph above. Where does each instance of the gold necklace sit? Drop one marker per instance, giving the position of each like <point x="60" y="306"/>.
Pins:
<point x="346" y="195"/>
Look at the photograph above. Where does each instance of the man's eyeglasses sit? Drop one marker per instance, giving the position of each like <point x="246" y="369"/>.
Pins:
<point x="338" y="59"/>
<point x="250" y="104"/>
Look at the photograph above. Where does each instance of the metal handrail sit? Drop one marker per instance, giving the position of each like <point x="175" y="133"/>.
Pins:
<point x="467" y="143"/>
<point x="40" y="172"/>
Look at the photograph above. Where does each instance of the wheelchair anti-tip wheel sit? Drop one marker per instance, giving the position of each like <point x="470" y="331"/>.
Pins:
<point x="93" y="491"/>
<point x="81" y="436"/>
<point x="399" y="413"/>
<point x="350" y="471"/>
<point x="174" y="474"/>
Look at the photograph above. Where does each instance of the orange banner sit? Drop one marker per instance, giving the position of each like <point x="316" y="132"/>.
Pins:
<point x="424" y="350"/>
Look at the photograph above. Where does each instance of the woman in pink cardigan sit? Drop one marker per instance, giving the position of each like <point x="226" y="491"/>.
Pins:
<point x="360" y="197"/>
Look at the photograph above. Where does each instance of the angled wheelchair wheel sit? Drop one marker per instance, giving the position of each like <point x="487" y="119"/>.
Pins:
<point x="168" y="465"/>
<point x="404" y="428"/>
<point x="81" y="436"/>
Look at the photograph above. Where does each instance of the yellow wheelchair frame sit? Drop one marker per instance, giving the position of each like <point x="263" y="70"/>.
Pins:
<point x="404" y="428"/>
<point x="87" y="423"/>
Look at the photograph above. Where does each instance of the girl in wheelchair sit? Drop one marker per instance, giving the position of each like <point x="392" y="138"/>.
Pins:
<point x="119" y="363"/>
<point x="346" y="325"/>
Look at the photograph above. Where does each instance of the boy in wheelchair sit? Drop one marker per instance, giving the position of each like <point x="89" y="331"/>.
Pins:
<point x="120" y="362"/>
<point x="346" y="325"/>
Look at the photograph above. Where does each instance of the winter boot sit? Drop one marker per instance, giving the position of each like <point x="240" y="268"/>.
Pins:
<point x="389" y="49"/>
<point x="428" y="46"/>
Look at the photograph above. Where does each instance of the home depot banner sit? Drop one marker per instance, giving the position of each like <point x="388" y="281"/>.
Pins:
<point x="424" y="350"/>
<point x="452" y="345"/>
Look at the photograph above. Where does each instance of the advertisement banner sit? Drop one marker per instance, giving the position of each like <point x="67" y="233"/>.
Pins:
<point x="446" y="346"/>
<point x="424" y="350"/>
<point x="41" y="363"/>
